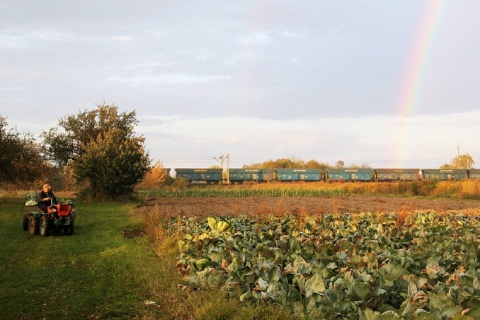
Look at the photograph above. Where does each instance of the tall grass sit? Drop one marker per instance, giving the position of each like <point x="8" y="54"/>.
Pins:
<point x="449" y="189"/>
<point x="241" y="193"/>
<point x="458" y="189"/>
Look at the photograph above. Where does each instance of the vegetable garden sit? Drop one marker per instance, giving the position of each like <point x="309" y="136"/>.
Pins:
<point x="351" y="266"/>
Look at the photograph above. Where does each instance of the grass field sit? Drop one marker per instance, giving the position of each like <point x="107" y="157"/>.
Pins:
<point x="98" y="274"/>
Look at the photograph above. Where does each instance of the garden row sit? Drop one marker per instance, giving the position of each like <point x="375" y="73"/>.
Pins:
<point x="355" y="266"/>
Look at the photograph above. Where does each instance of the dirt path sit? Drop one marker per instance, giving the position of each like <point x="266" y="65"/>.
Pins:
<point x="309" y="205"/>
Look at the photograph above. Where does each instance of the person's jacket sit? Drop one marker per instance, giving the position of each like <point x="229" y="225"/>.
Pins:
<point x="42" y="194"/>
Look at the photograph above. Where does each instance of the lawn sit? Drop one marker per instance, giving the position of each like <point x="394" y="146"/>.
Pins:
<point x="95" y="273"/>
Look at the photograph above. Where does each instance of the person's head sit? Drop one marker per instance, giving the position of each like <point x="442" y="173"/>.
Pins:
<point x="46" y="188"/>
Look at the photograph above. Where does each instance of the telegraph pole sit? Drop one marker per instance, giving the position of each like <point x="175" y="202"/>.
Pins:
<point x="228" y="168"/>
<point x="222" y="158"/>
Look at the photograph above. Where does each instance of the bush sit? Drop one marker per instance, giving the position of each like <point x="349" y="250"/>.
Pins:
<point x="179" y="183"/>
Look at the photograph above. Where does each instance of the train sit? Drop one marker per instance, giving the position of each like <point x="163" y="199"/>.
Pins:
<point x="240" y="175"/>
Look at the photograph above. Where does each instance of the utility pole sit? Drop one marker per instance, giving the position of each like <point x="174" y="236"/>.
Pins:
<point x="222" y="158"/>
<point x="228" y="168"/>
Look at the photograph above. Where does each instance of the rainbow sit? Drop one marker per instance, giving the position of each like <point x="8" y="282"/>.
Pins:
<point x="416" y="71"/>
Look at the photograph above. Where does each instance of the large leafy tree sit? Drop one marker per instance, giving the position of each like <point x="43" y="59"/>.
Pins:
<point x="112" y="163"/>
<point x="67" y="141"/>
<point x="102" y="148"/>
<point x="21" y="161"/>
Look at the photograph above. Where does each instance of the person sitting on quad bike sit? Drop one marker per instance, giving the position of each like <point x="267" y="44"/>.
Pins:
<point x="46" y="198"/>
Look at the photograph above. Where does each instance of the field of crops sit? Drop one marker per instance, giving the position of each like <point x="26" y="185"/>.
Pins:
<point x="467" y="189"/>
<point x="423" y="265"/>
<point x="243" y="192"/>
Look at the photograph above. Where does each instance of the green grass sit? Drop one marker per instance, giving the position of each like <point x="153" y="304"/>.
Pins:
<point x="98" y="274"/>
<point x="94" y="273"/>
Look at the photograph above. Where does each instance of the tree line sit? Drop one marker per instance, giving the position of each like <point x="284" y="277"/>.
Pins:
<point x="286" y="163"/>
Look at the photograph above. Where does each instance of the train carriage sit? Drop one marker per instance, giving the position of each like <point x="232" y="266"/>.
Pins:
<point x="299" y="174"/>
<point x="397" y="174"/>
<point x="257" y="175"/>
<point x="239" y="175"/>
<point x="262" y="175"/>
<point x="474" y="174"/>
<point x="445" y="174"/>
<point x="350" y="174"/>
<point x="200" y="175"/>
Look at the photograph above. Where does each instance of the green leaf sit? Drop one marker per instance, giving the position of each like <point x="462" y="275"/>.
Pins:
<point x="314" y="285"/>
<point x="360" y="291"/>
<point x="262" y="284"/>
<point x="274" y="275"/>
<point x="393" y="271"/>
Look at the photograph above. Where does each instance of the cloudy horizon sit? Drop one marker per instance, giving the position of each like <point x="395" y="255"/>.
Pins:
<point x="381" y="83"/>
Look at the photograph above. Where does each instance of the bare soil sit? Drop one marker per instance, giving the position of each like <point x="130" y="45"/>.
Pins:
<point x="306" y="205"/>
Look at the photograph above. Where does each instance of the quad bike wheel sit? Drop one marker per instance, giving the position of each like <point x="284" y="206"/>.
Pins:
<point x="33" y="224"/>
<point x="68" y="230"/>
<point x="44" y="228"/>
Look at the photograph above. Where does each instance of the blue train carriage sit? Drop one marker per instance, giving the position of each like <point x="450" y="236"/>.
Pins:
<point x="238" y="175"/>
<point x="255" y="175"/>
<point x="200" y="175"/>
<point x="474" y="174"/>
<point x="299" y="174"/>
<point x="349" y="174"/>
<point x="397" y="174"/>
<point x="262" y="175"/>
<point x="445" y="174"/>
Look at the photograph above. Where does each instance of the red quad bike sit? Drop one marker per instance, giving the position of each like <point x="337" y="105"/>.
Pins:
<point x="60" y="216"/>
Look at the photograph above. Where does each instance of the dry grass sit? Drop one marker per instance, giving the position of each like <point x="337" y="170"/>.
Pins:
<point x="466" y="187"/>
<point x="402" y="214"/>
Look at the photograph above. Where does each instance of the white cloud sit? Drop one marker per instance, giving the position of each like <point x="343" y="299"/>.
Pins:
<point x="168" y="79"/>
<point x="122" y="38"/>
<point x="255" y="38"/>
<point x="17" y="38"/>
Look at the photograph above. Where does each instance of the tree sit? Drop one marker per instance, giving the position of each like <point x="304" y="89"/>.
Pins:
<point x="314" y="164"/>
<point x="155" y="177"/>
<point x="21" y="161"/>
<point x="462" y="161"/>
<point x="68" y="141"/>
<point x="112" y="164"/>
<point x="102" y="148"/>
<point x="283" y="163"/>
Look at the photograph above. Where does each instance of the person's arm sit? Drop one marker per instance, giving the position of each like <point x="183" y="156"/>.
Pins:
<point x="39" y="197"/>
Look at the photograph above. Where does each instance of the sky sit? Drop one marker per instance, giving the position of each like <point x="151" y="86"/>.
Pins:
<point x="389" y="84"/>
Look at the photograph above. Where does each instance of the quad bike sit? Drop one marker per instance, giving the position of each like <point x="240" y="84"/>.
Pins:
<point x="60" y="216"/>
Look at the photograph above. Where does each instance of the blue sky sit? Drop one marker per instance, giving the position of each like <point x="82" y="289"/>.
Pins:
<point x="259" y="80"/>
